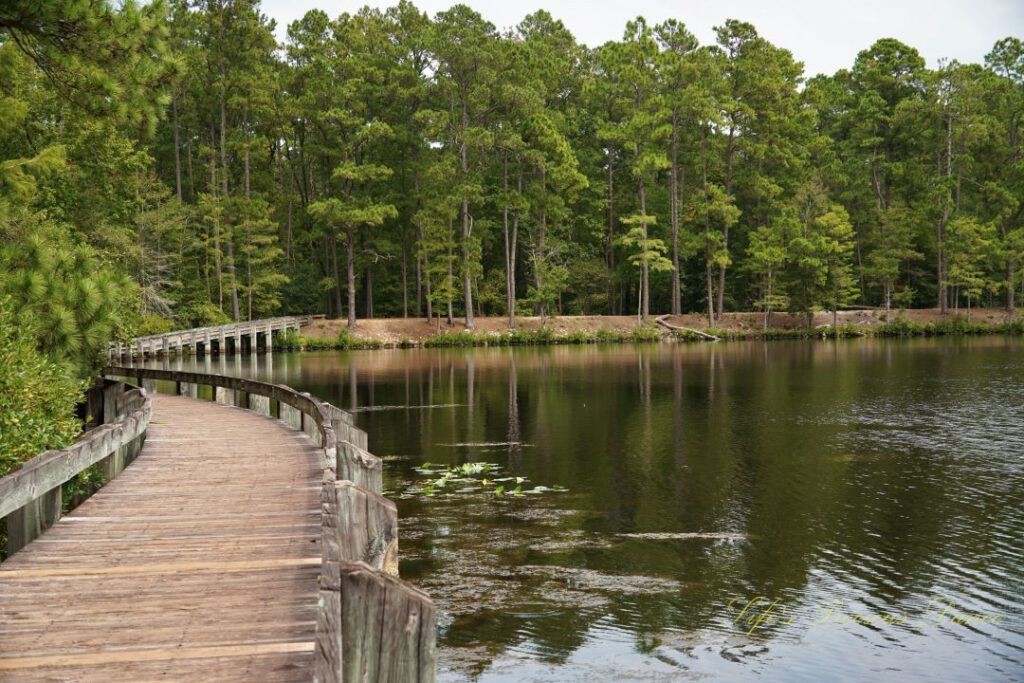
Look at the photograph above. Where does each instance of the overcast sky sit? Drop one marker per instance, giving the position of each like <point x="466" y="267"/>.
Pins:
<point x="825" y="35"/>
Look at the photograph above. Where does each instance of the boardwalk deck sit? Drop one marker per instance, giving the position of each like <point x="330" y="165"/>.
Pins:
<point x="199" y="562"/>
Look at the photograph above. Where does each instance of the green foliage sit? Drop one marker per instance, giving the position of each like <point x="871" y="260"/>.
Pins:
<point x="74" y="306"/>
<point x="150" y="324"/>
<point x="471" y="478"/>
<point x="107" y="59"/>
<point x="202" y="314"/>
<point x="288" y="340"/>
<point x="177" y="169"/>
<point x="37" y="395"/>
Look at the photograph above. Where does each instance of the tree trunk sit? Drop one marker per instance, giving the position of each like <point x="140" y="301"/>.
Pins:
<point x="509" y="285"/>
<point x="177" y="148"/>
<point x="351" y="261"/>
<point x="337" y="273"/>
<point x="405" y="281"/>
<point x="707" y="229"/>
<point x="228" y="239"/>
<point x="245" y="158"/>
<point x="451" y="317"/>
<point x="430" y="306"/>
<point x="216" y="220"/>
<point x="511" y="238"/>
<point x="941" y="230"/>
<point x="467" y="284"/>
<point x="674" y="213"/>
<point x="248" y="286"/>
<point x="609" y="242"/>
<point x="369" y="293"/>
<point x="725" y="225"/>
<point x="515" y="248"/>
<point x="419" y="258"/>
<point x="645" y="286"/>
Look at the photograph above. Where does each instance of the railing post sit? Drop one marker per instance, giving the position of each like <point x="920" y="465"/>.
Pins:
<point x="110" y="396"/>
<point x="366" y="528"/>
<point x="29" y="522"/>
<point x="259" y="404"/>
<point x="114" y="463"/>
<point x="359" y="466"/>
<point x="373" y="627"/>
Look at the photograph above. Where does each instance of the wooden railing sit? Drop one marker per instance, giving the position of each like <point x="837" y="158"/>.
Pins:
<point x="31" y="498"/>
<point x="371" y="626"/>
<point x="220" y="337"/>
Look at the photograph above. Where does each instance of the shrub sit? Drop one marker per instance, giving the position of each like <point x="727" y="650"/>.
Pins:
<point x="37" y="397"/>
<point x="899" y="327"/>
<point x="288" y="340"/>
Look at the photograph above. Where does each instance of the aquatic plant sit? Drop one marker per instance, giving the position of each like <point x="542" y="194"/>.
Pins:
<point x="472" y="477"/>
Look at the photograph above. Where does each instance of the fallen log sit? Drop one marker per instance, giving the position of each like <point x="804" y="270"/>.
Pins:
<point x="662" y="320"/>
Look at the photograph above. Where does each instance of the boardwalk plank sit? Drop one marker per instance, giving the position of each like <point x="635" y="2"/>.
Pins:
<point x="199" y="562"/>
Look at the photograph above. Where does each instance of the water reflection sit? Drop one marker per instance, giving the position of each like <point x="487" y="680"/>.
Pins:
<point x="865" y="477"/>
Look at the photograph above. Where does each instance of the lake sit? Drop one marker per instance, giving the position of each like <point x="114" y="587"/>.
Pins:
<point x="786" y="510"/>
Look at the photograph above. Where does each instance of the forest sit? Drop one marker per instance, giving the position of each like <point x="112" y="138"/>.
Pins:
<point x="172" y="165"/>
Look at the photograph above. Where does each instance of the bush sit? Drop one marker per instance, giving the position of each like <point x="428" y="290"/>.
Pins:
<point x="288" y="340"/>
<point x="900" y="327"/>
<point x="37" y="397"/>
<point x="149" y="324"/>
<point x="203" y="314"/>
<point x="645" y="334"/>
<point x="463" y="338"/>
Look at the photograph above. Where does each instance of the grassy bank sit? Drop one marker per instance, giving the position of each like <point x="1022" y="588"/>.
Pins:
<point x="649" y="333"/>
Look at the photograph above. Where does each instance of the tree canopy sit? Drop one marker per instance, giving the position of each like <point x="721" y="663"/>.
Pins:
<point x="389" y="163"/>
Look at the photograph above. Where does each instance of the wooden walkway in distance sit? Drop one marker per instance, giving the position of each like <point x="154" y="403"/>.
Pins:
<point x="199" y="562"/>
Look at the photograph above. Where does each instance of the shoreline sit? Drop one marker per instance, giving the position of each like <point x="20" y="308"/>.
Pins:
<point x="387" y="333"/>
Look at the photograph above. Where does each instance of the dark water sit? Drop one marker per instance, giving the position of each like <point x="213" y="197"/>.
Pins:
<point x="866" y="496"/>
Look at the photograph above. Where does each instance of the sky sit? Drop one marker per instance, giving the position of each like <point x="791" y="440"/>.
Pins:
<point x="825" y="35"/>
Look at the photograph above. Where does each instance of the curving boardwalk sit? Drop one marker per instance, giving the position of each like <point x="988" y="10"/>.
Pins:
<point x="199" y="562"/>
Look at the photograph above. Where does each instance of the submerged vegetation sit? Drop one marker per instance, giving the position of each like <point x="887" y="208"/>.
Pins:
<point x="472" y="478"/>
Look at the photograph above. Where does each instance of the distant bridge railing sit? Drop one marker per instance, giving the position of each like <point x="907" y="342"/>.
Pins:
<point x="371" y="626"/>
<point x="31" y="497"/>
<point x="232" y="337"/>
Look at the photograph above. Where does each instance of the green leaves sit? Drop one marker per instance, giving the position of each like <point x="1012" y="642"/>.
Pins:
<point x="37" y="394"/>
<point x="472" y="478"/>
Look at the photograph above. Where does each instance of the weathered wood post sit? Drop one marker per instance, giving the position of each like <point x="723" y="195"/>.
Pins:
<point x="238" y="342"/>
<point x="373" y="627"/>
<point x="166" y="346"/>
<point x="29" y="522"/>
<point x="270" y="341"/>
<point x="359" y="466"/>
<point x="366" y="528"/>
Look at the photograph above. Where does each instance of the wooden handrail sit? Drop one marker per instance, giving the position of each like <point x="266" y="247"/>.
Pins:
<point x="229" y="327"/>
<point x="370" y="624"/>
<point x="208" y="338"/>
<point x="31" y="497"/>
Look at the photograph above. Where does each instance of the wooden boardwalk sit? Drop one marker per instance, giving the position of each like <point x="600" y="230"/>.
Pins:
<point x="199" y="562"/>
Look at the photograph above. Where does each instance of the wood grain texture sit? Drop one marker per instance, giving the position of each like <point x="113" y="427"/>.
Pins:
<point x="199" y="562"/>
